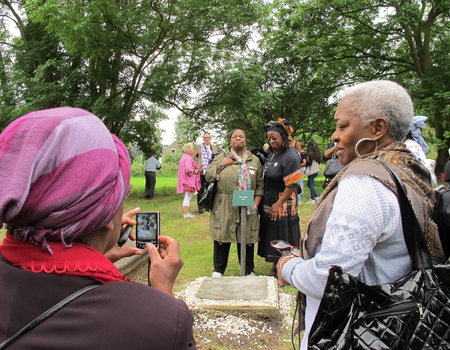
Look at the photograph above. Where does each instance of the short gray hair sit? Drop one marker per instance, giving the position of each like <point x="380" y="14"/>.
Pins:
<point x="383" y="98"/>
<point x="188" y="147"/>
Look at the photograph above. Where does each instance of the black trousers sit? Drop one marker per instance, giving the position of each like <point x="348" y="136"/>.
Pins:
<point x="204" y="184"/>
<point x="150" y="182"/>
<point x="222" y="251"/>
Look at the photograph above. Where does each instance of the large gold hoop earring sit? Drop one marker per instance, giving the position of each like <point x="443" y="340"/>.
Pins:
<point x="362" y="140"/>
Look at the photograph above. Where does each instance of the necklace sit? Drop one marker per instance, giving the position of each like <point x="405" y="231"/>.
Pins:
<point x="266" y="166"/>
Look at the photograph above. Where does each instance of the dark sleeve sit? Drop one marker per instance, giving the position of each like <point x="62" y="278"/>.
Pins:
<point x="291" y="167"/>
<point x="184" y="336"/>
<point x="447" y="172"/>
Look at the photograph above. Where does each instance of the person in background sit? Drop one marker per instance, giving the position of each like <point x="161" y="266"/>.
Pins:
<point x="357" y="223"/>
<point x="151" y="165"/>
<point x="63" y="182"/>
<point x="447" y="169"/>
<point x="203" y="154"/>
<point x="304" y="158"/>
<point x="281" y="176"/>
<point x="418" y="123"/>
<point x="294" y="144"/>
<point x="238" y="170"/>
<point x="312" y="169"/>
<point x="417" y="150"/>
<point x="188" y="178"/>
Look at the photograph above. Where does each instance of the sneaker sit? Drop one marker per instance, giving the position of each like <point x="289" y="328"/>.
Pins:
<point x="251" y="274"/>
<point x="216" y="274"/>
<point x="188" y="215"/>
<point x="311" y="201"/>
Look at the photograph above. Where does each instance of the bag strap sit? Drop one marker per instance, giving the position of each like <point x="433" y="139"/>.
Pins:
<point x="412" y="232"/>
<point x="37" y="321"/>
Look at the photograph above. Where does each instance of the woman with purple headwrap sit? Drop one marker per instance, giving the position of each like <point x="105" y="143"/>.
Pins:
<point x="63" y="183"/>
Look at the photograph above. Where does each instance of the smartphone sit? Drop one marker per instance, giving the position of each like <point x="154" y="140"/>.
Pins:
<point x="148" y="228"/>
<point x="124" y="234"/>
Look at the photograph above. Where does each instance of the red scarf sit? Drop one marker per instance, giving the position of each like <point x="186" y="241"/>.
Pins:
<point x="79" y="260"/>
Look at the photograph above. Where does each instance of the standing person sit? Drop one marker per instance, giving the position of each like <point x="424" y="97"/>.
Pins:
<point x="63" y="182"/>
<point x="281" y="175"/>
<point x="203" y="153"/>
<point x="151" y="165"/>
<point x="357" y="224"/>
<point x="239" y="170"/>
<point x="188" y="178"/>
<point x="312" y="169"/>
<point x="303" y="159"/>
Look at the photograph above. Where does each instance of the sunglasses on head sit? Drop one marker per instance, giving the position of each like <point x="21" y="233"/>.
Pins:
<point x="285" y="248"/>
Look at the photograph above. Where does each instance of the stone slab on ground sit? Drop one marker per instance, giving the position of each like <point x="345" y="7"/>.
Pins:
<point x="243" y="294"/>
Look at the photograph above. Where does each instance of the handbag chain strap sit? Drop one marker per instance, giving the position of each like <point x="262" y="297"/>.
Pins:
<point x="37" y="321"/>
<point x="413" y="234"/>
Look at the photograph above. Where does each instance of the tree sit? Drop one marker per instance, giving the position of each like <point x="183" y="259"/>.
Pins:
<point x="358" y="40"/>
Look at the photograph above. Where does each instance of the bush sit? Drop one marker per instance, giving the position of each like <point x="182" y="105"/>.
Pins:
<point x="137" y="169"/>
<point x="168" y="170"/>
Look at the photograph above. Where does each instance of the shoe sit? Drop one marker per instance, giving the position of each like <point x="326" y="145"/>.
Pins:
<point x="272" y="272"/>
<point x="216" y="274"/>
<point x="251" y="274"/>
<point x="311" y="201"/>
<point x="188" y="215"/>
<point x="200" y="211"/>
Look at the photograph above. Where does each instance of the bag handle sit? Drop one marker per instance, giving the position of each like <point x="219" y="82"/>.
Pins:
<point x="414" y="237"/>
<point x="37" y="321"/>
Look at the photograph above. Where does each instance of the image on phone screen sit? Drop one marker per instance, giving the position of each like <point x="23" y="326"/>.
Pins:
<point x="147" y="228"/>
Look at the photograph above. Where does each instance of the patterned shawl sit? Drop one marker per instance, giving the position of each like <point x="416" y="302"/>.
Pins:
<point x="411" y="172"/>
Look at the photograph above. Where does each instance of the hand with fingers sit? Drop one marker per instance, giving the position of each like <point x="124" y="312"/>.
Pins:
<point x="117" y="253"/>
<point x="166" y="263"/>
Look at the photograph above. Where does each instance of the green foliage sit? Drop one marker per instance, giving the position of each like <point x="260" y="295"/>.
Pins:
<point x="173" y="158"/>
<point x="123" y="61"/>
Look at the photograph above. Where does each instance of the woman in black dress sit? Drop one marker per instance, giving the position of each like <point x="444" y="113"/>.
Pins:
<point x="281" y="174"/>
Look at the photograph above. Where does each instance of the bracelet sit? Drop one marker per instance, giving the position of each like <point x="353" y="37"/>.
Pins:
<point x="283" y="258"/>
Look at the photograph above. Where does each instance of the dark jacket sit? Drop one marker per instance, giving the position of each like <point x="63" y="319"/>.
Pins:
<point x="116" y="315"/>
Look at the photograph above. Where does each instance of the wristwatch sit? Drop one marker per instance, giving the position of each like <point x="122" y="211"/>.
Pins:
<point x="221" y="166"/>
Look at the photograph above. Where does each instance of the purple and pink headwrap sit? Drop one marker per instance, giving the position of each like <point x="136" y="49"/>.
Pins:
<point x="62" y="175"/>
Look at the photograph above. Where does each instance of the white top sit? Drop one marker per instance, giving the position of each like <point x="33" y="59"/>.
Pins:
<point x="363" y="235"/>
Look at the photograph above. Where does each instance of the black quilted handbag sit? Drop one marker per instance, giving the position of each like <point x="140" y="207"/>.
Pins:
<point x="333" y="167"/>
<point x="411" y="313"/>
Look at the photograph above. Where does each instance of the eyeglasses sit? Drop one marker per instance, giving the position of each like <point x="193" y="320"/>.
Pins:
<point x="285" y="248"/>
<point x="272" y="138"/>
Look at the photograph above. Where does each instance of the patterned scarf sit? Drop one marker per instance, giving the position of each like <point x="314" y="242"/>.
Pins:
<point x="62" y="175"/>
<point x="244" y="176"/>
<point x="411" y="172"/>
<point x="244" y="173"/>
<point x="206" y="156"/>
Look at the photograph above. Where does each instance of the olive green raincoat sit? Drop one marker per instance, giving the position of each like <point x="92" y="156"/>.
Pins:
<point x="224" y="225"/>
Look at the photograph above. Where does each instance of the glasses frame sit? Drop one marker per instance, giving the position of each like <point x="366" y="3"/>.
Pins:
<point x="272" y="138"/>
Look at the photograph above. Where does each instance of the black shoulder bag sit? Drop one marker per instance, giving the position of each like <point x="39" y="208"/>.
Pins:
<point x="37" y="321"/>
<point x="411" y="313"/>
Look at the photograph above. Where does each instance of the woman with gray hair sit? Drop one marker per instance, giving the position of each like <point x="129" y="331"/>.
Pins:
<point x="188" y="178"/>
<point x="357" y="223"/>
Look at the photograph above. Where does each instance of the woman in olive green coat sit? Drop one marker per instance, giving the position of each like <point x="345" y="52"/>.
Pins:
<point x="239" y="170"/>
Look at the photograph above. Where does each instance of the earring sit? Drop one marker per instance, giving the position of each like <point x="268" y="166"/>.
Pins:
<point x="365" y="139"/>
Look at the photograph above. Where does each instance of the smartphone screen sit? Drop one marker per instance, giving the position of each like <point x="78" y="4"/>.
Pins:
<point x="147" y="229"/>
